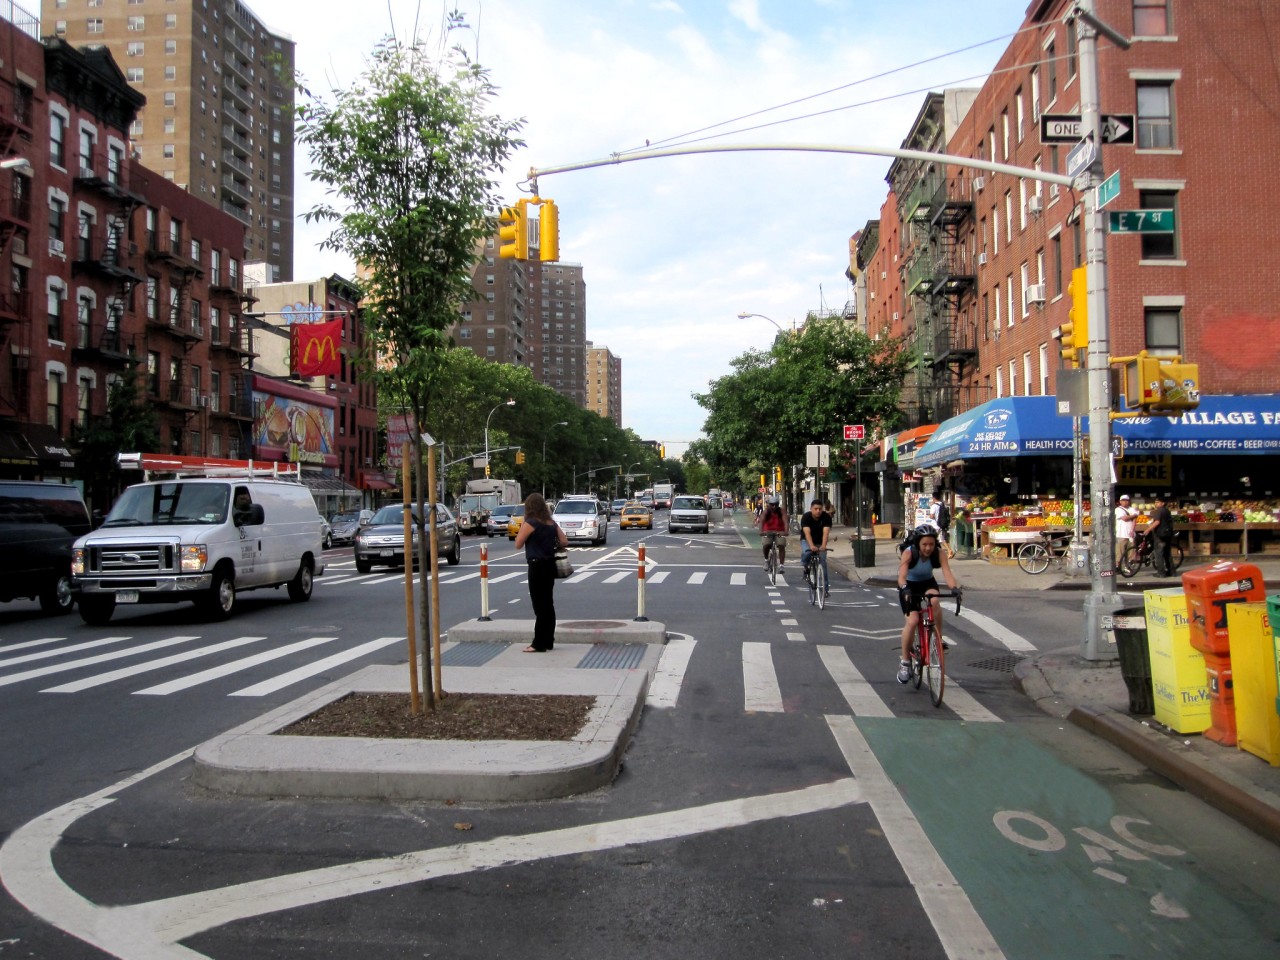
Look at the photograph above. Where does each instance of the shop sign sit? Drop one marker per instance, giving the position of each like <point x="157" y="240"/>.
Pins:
<point x="1152" y="470"/>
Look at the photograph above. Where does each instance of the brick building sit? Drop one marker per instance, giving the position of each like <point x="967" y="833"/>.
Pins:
<point x="604" y="383"/>
<point x="218" y="117"/>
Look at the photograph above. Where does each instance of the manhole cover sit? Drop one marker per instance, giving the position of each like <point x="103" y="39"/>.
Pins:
<point x="593" y="624"/>
<point x="1003" y="664"/>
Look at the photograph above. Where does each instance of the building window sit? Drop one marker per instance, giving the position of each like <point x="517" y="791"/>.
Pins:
<point x="489" y="333"/>
<point x="171" y="47"/>
<point x="137" y="24"/>
<point x="1026" y="282"/>
<point x="1155" y="116"/>
<point x="134" y="75"/>
<point x="55" y="313"/>
<point x="134" y="48"/>
<point x="1151" y="18"/>
<point x="153" y="298"/>
<point x="1159" y="246"/>
<point x="464" y="333"/>
<point x="1009" y="300"/>
<point x="171" y="21"/>
<point x="1004" y="135"/>
<point x="1020" y="114"/>
<point x="1051" y="67"/>
<point x="1027" y="382"/>
<point x="1044" y="369"/>
<point x="84" y="323"/>
<point x="57" y="140"/>
<point x="1013" y="380"/>
<point x="168" y="151"/>
<point x="1163" y="329"/>
<point x="53" y="414"/>
<point x="94" y="25"/>
<point x="1008" y="216"/>
<point x="171" y="73"/>
<point x="57" y="213"/>
<point x="999" y="381"/>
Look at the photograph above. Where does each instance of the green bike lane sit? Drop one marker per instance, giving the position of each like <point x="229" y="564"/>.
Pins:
<point x="1060" y="863"/>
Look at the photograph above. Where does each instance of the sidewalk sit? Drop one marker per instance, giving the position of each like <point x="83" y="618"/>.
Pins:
<point x="1093" y="695"/>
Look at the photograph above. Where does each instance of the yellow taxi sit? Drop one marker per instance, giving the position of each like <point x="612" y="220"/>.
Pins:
<point x="513" y="525"/>
<point x="635" y="515"/>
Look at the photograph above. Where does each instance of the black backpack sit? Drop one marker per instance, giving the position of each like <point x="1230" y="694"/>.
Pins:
<point x="909" y="543"/>
<point x="944" y="516"/>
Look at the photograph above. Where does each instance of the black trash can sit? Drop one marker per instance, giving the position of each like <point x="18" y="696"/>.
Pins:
<point x="864" y="552"/>
<point x="1130" y="628"/>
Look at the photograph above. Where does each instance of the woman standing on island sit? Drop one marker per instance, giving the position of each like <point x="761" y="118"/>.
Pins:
<point x="541" y="537"/>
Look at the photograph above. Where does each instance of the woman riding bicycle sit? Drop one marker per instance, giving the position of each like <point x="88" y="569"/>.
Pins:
<point x="916" y="579"/>
<point x="773" y="529"/>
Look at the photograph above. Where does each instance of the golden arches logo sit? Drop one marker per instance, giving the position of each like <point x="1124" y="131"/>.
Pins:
<point x="323" y="346"/>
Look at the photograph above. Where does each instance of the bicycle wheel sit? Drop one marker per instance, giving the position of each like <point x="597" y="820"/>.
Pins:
<point x="1175" y="557"/>
<point x="1130" y="563"/>
<point x="1033" y="557"/>
<point x="820" y="584"/>
<point x="917" y="668"/>
<point x="810" y="580"/>
<point x="773" y="565"/>
<point x="937" y="667"/>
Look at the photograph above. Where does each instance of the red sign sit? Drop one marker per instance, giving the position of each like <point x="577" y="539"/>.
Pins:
<point x="315" y="349"/>
<point x="854" y="431"/>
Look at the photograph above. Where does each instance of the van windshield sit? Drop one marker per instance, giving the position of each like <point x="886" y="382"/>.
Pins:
<point x="571" y="507"/>
<point x="170" y="503"/>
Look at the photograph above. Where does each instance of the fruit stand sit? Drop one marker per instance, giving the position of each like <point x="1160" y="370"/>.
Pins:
<point x="1002" y="533"/>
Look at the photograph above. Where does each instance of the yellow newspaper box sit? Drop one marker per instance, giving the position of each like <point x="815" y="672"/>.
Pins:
<point x="1179" y="683"/>
<point x="1254" y="674"/>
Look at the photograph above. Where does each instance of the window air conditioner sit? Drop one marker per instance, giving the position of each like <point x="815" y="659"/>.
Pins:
<point x="979" y="183"/>
<point x="1035" y="293"/>
<point x="1035" y="205"/>
<point x="204" y="401"/>
<point x="982" y="259"/>
<point x="56" y="247"/>
<point x="1053" y="189"/>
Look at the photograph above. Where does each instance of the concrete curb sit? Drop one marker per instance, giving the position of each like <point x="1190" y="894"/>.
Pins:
<point x="1183" y="766"/>
<point x="253" y="760"/>
<point x="567" y="631"/>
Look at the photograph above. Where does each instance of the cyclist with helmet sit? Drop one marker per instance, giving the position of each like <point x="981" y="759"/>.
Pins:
<point x="773" y="529"/>
<point x="917" y="578"/>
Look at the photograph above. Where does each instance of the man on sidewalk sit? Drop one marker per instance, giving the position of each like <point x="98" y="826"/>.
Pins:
<point x="1126" y="521"/>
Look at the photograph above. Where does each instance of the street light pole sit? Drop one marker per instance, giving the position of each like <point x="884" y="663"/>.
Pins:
<point x="505" y="403"/>
<point x="562" y="423"/>
<point x="743" y="315"/>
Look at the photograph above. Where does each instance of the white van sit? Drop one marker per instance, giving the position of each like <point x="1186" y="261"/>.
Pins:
<point x="199" y="539"/>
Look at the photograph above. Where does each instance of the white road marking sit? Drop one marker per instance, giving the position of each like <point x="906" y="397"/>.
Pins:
<point x="506" y="576"/>
<point x="799" y="637"/>
<point x="34" y="643"/>
<point x="759" y="680"/>
<point x="696" y="578"/>
<point x="657" y="577"/>
<point x="76" y="686"/>
<point x="857" y="692"/>
<point x="788" y="621"/>
<point x="668" y="677"/>
<point x="955" y="921"/>
<point x="226" y="669"/>
<point x="737" y="579"/>
<point x="90" y="661"/>
<point x="619" y="576"/>
<point x="963" y="704"/>
<point x="996" y="630"/>
<point x="310" y="670"/>
<point x="50" y="654"/>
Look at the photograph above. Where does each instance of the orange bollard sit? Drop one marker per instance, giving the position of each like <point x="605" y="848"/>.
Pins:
<point x="640" y="588"/>
<point x="484" y="582"/>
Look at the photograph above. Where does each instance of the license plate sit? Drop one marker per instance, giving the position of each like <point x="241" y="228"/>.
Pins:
<point x="126" y="596"/>
<point x="386" y="553"/>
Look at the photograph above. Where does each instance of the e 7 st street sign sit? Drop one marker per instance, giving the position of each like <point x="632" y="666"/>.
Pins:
<point x="1140" y="221"/>
<point x="1068" y="128"/>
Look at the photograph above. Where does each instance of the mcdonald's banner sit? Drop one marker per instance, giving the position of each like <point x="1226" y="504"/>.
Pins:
<point x="315" y="348"/>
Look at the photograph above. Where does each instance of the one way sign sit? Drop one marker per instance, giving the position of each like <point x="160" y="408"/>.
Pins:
<point x="1117" y="128"/>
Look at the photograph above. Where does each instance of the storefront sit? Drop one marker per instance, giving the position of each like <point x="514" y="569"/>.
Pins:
<point x="33" y="451"/>
<point x="901" y="481"/>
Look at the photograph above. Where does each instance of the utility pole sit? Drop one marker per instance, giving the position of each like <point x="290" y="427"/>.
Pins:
<point x="1102" y="600"/>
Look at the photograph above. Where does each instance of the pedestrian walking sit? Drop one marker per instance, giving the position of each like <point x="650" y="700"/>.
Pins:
<point x="540" y="536"/>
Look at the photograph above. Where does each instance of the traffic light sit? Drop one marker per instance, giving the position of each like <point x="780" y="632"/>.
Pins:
<point x="777" y="478"/>
<point x="1073" y="336"/>
<point x="1158" y="384"/>
<point x="549" y="231"/>
<point x="513" y="231"/>
<point x="763" y="481"/>
<point x="662" y="451"/>
<point x="519" y="457"/>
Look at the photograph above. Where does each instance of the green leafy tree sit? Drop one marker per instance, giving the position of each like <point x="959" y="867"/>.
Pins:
<point x="408" y="157"/>
<point x="131" y="425"/>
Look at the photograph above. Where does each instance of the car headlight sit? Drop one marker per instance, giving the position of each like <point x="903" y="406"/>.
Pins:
<point x="77" y="562"/>
<point x="194" y="558"/>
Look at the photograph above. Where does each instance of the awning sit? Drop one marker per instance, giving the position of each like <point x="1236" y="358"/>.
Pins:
<point x="372" y="480"/>
<point x="907" y="445"/>
<point x="324" y="482"/>
<point x="1020" y="426"/>
<point x="34" y="445"/>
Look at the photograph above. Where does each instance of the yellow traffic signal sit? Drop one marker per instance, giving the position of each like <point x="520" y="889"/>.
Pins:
<point x="1161" y="383"/>
<point x="513" y="231"/>
<point x="777" y="478"/>
<point x="763" y="482"/>
<point x="549" y="231"/>
<point x="662" y="451"/>
<point x="519" y="457"/>
<point x="1078" y="314"/>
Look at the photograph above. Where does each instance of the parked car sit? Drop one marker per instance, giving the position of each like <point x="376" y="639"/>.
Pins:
<point x="615" y="508"/>
<point x="39" y="522"/>
<point x="688" y="513"/>
<point x="582" y="518"/>
<point x="343" y="526"/>
<point x="499" y="520"/>
<point x="636" y="515"/>
<point x="380" y="542"/>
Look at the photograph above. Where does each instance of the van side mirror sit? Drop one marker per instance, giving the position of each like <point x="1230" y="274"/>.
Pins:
<point x="251" y="517"/>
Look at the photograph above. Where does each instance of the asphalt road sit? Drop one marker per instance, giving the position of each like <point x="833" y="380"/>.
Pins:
<point x="790" y="799"/>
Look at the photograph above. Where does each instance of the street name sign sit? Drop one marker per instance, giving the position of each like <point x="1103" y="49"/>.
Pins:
<point x="1141" y="221"/>
<point x="1108" y="190"/>
<point x="1081" y="157"/>
<point x="1117" y="128"/>
<point x="854" y="431"/>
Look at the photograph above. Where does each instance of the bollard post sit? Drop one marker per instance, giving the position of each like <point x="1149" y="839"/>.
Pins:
<point x="640" y="588"/>
<point x="484" y="582"/>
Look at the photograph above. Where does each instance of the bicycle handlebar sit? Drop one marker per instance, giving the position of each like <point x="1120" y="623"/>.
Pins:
<point x="957" y="593"/>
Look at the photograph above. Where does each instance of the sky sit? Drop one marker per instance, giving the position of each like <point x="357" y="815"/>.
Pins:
<point x="673" y="249"/>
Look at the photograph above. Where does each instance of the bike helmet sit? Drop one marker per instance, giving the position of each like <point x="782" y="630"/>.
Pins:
<point x="771" y="499"/>
<point x="924" y="530"/>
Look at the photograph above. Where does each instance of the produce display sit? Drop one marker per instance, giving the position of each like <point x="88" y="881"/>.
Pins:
<point x="1061" y="513"/>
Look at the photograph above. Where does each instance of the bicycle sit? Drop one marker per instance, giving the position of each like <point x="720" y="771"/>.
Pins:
<point x="1038" y="555"/>
<point x="927" y="655"/>
<point x="815" y="576"/>
<point x="772" y="564"/>
<point x="1142" y="552"/>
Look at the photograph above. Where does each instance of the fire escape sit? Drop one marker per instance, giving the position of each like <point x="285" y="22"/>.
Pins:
<point x="107" y="256"/>
<point x="15" y="225"/>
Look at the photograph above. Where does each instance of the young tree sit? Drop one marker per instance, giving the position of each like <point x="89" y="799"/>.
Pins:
<point x="130" y="425"/>
<point x="407" y="156"/>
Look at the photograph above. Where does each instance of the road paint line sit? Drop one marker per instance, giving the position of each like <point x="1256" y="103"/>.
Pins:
<point x="737" y="579"/>
<point x="620" y="576"/>
<point x="98" y="680"/>
<point x="506" y="576"/>
<point x="857" y="692"/>
<point x="954" y="919"/>
<point x="668" y="677"/>
<point x="50" y="654"/>
<point x="962" y="703"/>
<point x="697" y="578"/>
<point x="27" y="644"/>
<point x="320" y="666"/>
<point x="797" y="637"/>
<point x="788" y="621"/>
<point x="996" y="630"/>
<point x="90" y="661"/>
<point x="657" y="577"/>
<point x="581" y="575"/>
<point x="348" y="578"/>
<point x="465" y="576"/>
<point x="226" y="669"/>
<point x="759" y="680"/>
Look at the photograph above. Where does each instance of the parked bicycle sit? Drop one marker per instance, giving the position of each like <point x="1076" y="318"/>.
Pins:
<point x="1142" y="552"/>
<point x="1049" y="551"/>
<point x="927" y="656"/>
<point x="815" y="576"/>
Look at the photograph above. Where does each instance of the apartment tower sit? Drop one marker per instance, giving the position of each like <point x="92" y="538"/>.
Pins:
<point x="218" y="120"/>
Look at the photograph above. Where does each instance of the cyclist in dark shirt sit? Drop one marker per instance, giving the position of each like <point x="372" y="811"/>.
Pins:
<point x="815" y="531"/>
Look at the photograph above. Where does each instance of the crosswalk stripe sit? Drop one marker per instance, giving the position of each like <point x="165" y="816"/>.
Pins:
<point x="49" y="654"/>
<point x="799" y="637"/>
<point x="963" y="704"/>
<point x="737" y="579"/>
<point x="216" y="673"/>
<point x="759" y="679"/>
<point x="696" y="578"/>
<point x="98" y="680"/>
<point x="658" y="577"/>
<point x="669" y="676"/>
<point x="27" y="644"/>
<point x="90" y="661"/>
<point x="857" y="692"/>
<point x="506" y="576"/>
<point x="619" y="576"/>
<point x="320" y="666"/>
